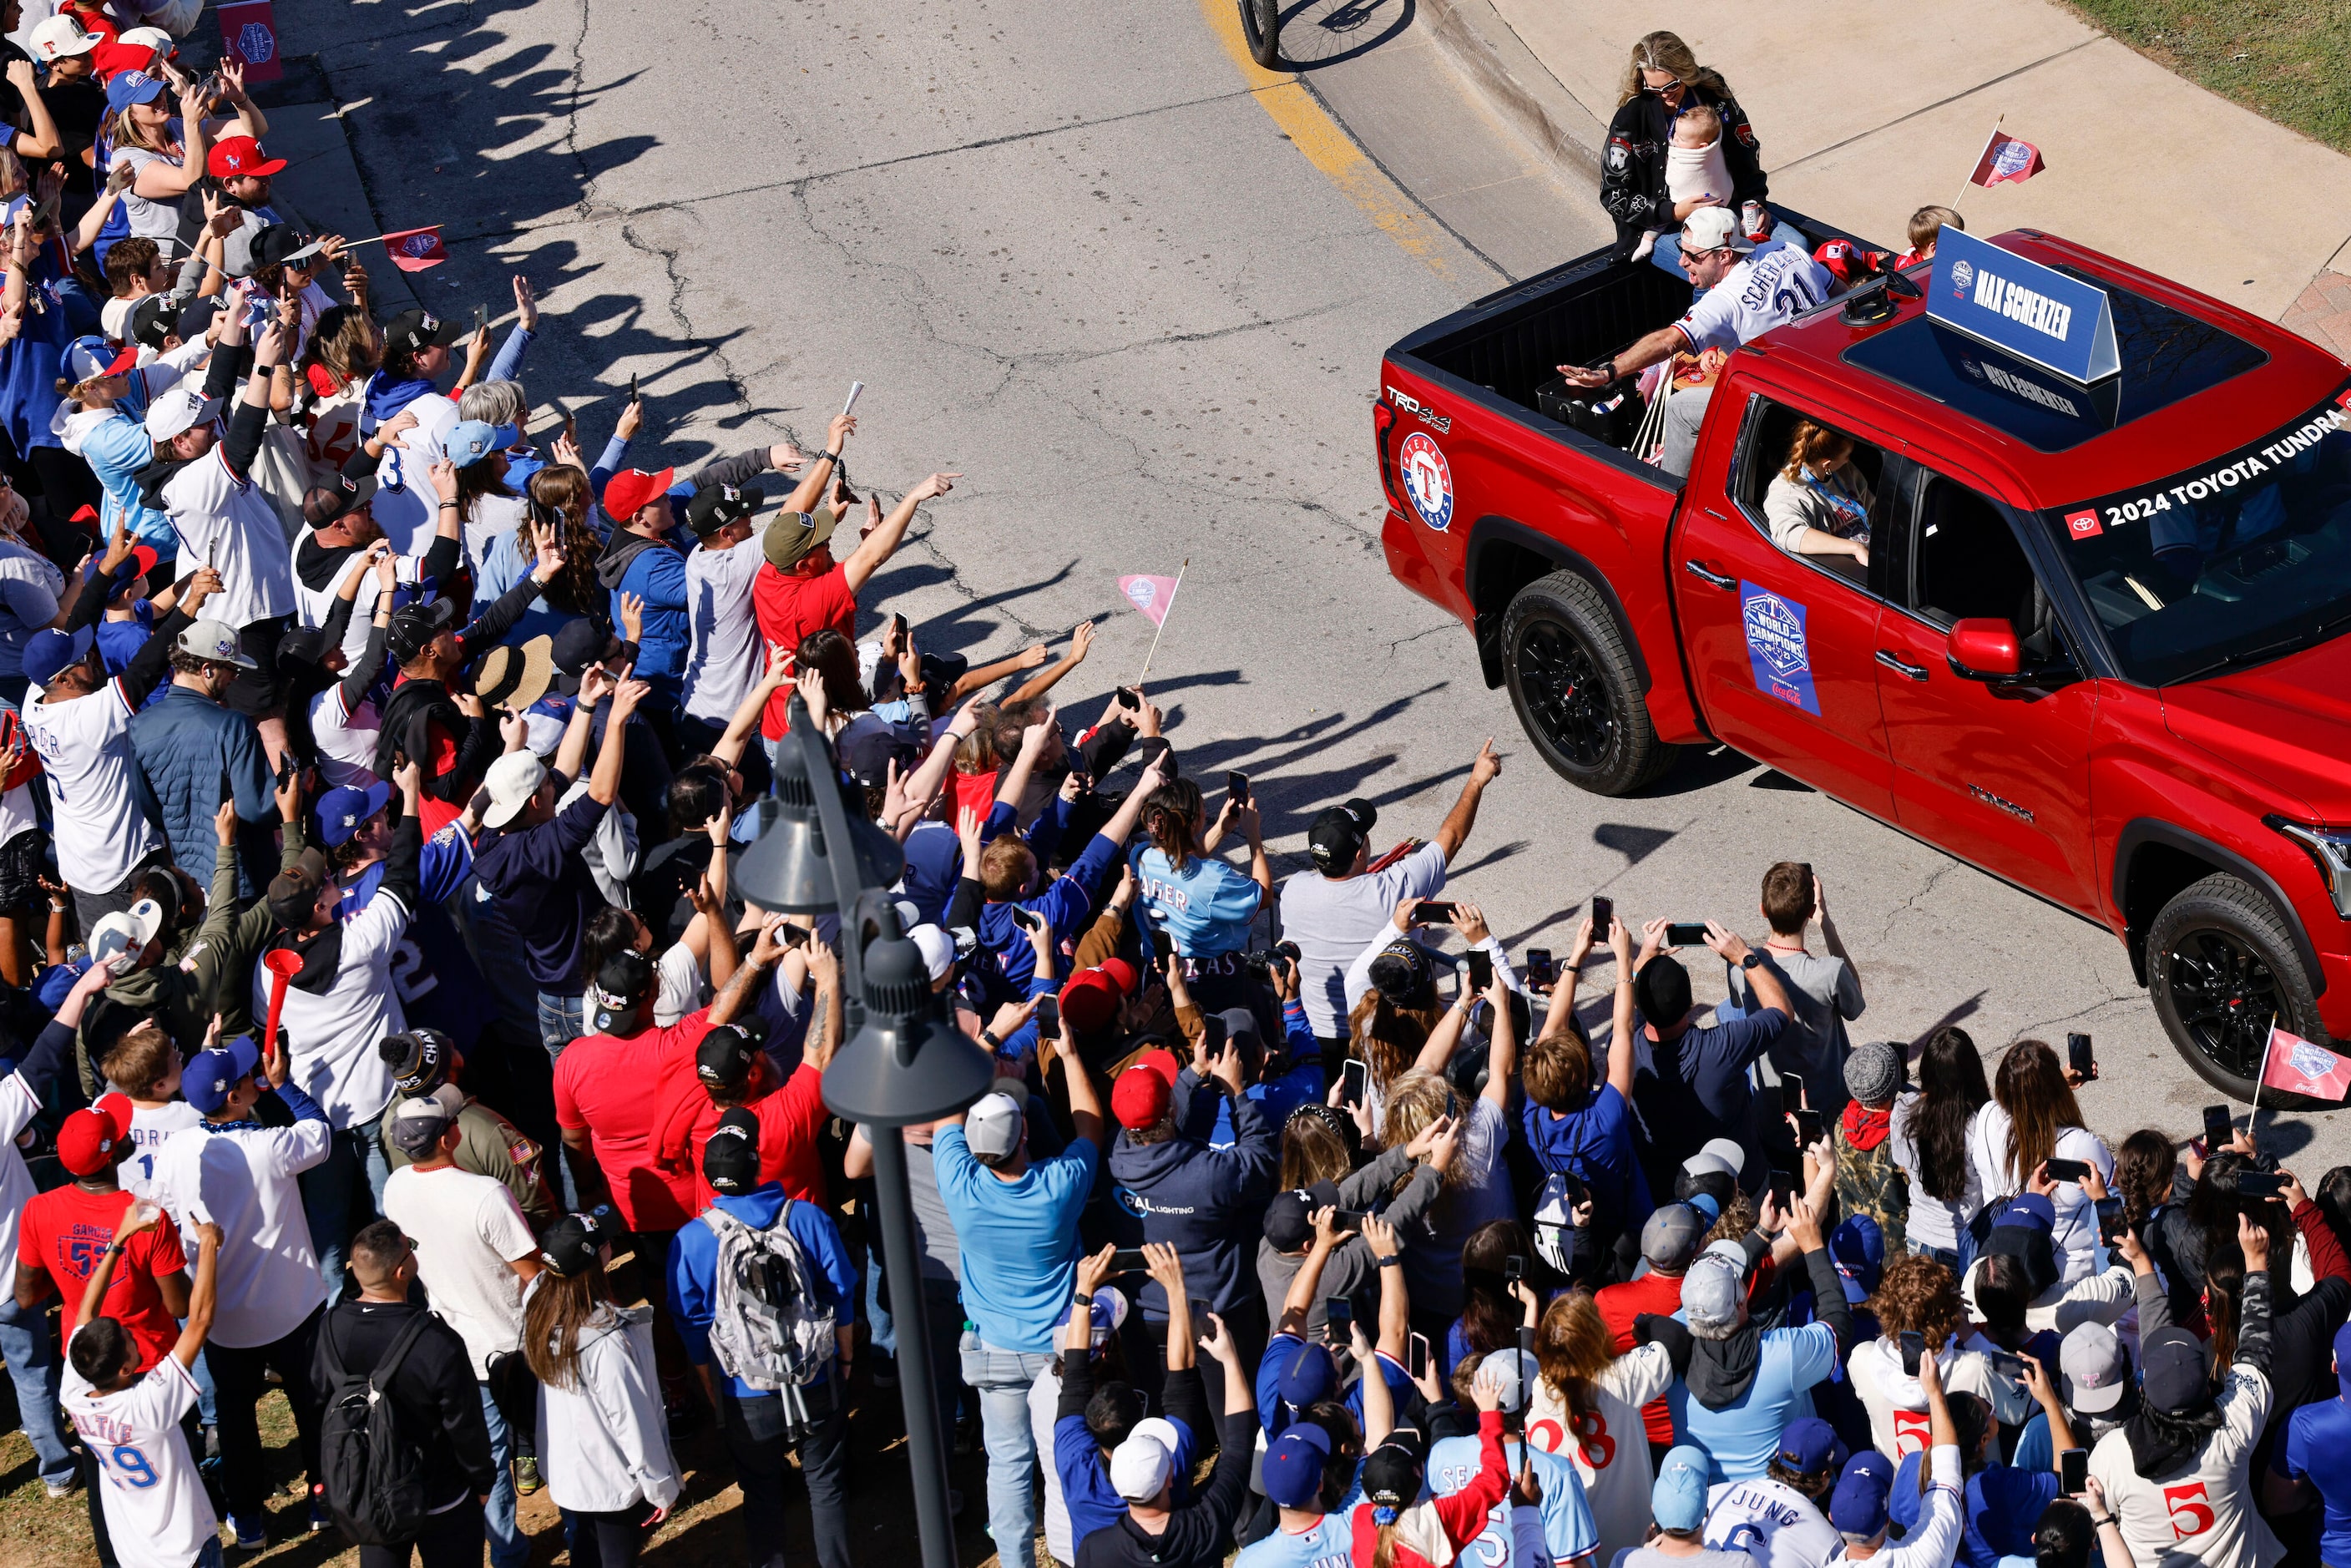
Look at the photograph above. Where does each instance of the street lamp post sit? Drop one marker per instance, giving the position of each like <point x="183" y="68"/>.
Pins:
<point x="899" y="1061"/>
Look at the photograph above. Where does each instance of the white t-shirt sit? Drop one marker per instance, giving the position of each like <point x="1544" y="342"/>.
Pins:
<point x="1767" y="288"/>
<point x="228" y="523"/>
<point x="467" y="1228"/>
<point x="682" y="988"/>
<point x="242" y="1179"/>
<point x="336" y="1031"/>
<point x="2075" y="1235"/>
<point x="150" y="1131"/>
<point x="17" y="814"/>
<point x="1332" y="922"/>
<point x="1897" y="1404"/>
<point x="726" y="659"/>
<point x="313" y="605"/>
<point x="85" y="745"/>
<point x="156" y="1509"/>
<point x="346" y="740"/>
<point x="1934" y="1222"/>
<point x="2200" y="1513"/>
<point x="1608" y="1446"/>
<point x="493" y="516"/>
<point x="17" y="1109"/>
<point x="1776" y="1525"/>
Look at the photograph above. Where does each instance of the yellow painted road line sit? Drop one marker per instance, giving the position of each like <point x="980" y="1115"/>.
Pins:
<point x="1330" y="149"/>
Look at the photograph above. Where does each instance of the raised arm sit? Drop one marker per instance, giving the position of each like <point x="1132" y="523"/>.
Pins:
<point x="605" y="784"/>
<point x="1483" y="769"/>
<point x="1082" y="640"/>
<point x="881" y="541"/>
<point x="1396" y="1299"/>
<point x="1620" y="1044"/>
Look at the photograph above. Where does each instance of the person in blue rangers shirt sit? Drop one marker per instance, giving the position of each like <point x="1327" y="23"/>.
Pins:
<point x="431" y="968"/>
<point x="1312" y="1472"/>
<point x="1093" y="1418"/>
<point x="1158" y="1530"/>
<point x="1204" y="904"/>
<point x="1567" y="1535"/>
<point x="761" y="1426"/>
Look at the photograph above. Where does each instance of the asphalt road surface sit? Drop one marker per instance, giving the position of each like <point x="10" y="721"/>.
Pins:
<point x="1137" y="294"/>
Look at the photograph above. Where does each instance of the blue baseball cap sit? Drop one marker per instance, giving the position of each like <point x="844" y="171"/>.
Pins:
<point x="342" y="810"/>
<point x="1108" y="1313"/>
<point x="57" y="982"/>
<point x="1859" y="1505"/>
<point x="1310" y="1375"/>
<point x="50" y="651"/>
<point x="1292" y="1475"/>
<point x="1809" y="1446"/>
<point x="1859" y="1248"/>
<point x="88" y="358"/>
<point x="471" y="440"/>
<point x="1678" y="1500"/>
<point x="131" y="86"/>
<point x="212" y="1075"/>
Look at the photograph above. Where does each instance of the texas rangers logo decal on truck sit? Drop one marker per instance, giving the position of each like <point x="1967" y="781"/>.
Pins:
<point x="1427" y="479"/>
<point x="1776" y="650"/>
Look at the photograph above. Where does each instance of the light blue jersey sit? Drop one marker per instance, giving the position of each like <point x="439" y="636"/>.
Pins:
<point x="1568" y="1530"/>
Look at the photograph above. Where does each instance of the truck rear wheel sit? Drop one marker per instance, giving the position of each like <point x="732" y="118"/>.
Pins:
<point x="2220" y="967"/>
<point x="1577" y="692"/>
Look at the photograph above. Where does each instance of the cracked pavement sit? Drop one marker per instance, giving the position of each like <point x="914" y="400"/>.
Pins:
<point x="1071" y="258"/>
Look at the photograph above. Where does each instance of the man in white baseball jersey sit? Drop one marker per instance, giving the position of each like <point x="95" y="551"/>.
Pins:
<point x="1743" y="293"/>
<point x="1776" y="1518"/>
<point x="156" y="1510"/>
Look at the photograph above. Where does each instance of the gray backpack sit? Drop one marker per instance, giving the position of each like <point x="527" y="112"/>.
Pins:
<point x="767" y="1326"/>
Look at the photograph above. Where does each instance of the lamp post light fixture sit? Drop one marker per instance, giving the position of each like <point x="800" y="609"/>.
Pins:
<point x="899" y="1061"/>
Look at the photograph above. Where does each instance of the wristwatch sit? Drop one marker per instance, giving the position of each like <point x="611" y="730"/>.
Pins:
<point x="988" y="1038"/>
<point x="1085" y="1298"/>
<point x="1752" y="960"/>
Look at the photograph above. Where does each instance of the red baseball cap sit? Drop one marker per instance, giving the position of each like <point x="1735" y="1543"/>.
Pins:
<point x="237" y="155"/>
<point x="1089" y="1001"/>
<point x="87" y="1141"/>
<point x="107" y="59"/>
<point x="630" y="489"/>
<point x="1139" y="1099"/>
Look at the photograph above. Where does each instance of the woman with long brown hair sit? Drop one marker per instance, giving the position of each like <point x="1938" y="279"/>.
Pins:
<point x="1661" y="80"/>
<point x="1587" y="1408"/>
<point x="1205" y="906"/>
<point x="2031" y="1119"/>
<point x="558" y="495"/>
<point x="1930" y="1132"/>
<point x="604" y="1439"/>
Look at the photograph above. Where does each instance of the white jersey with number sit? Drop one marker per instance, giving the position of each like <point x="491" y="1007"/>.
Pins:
<point x="85" y="745"/>
<point x="1608" y="1444"/>
<point x="2202" y="1512"/>
<point x="1767" y="288"/>
<point x="150" y="1127"/>
<point x="156" y="1510"/>
<point x="1772" y="1522"/>
<point x="1895" y="1402"/>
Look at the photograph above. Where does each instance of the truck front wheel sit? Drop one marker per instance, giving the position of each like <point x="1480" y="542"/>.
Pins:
<point x="1577" y="692"/>
<point x="2221" y="968"/>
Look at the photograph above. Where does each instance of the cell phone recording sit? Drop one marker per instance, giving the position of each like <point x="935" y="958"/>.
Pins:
<point x="1686" y="933"/>
<point x="1481" y="969"/>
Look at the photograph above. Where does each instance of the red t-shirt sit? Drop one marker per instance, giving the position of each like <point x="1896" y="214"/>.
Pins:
<point x="790" y="1119"/>
<point x="1619" y="1305"/>
<point x="64" y="1233"/>
<point x="788" y="608"/>
<point x="610" y="1089"/>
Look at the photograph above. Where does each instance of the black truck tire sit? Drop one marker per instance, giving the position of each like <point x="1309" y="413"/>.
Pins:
<point x="1577" y="694"/>
<point x="1261" y="21"/>
<point x="2221" y="964"/>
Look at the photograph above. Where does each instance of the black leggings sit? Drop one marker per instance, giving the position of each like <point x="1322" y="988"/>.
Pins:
<point x="606" y="1540"/>
<point x="451" y="1539"/>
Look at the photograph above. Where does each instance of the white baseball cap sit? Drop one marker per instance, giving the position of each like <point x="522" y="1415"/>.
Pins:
<point x="59" y="36"/>
<point x="991" y="1129"/>
<point x="938" y="948"/>
<point x="1141" y="1465"/>
<point x="126" y="931"/>
<point x="215" y="641"/>
<point x="181" y="408"/>
<point x="512" y="780"/>
<point x="1714" y="228"/>
<point x="154" y="38"/>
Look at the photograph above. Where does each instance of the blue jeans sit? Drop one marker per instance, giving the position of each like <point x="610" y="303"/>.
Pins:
<point x="330" y="1198"/>
<point x="1668" y="251"/>
<point x="1002" y="1378"/>
<point x="509" y="1547"/>
<point x="32" y="1358"/>
<point x="561" y="1020"/>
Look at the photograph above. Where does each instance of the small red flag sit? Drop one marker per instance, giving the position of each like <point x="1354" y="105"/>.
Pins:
<point x="249" y="32"/>
<point x="413" y="250"/>
<point x="2006" y="160"/>
<point x="2295" y="1065"/>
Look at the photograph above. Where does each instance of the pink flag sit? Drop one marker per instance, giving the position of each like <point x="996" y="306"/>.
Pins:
<point x="2006" y="160"/>
<point x="2298" y="1067"/>
<point x="1151" y="595"/>
<point x="413" y="250"/>
<point x="249" y="32"/>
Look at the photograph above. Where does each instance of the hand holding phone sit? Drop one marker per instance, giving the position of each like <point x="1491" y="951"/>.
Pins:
<point x="1914" y="1349"/>
<point x="1415" y="1362"/>
<point x="1686" y="933"/>
<point x="1543" y="971"/>
<point x="1432" y="911"/>
<point x="2067" y="1170"/>
<point x="2217" y="1130"/>
<point x="2078" y="1056"/>
<point x="1604" y="914"/>
<point x="1354" y="1082"/>
<point x="2074" y="1471"/>
<point x="1048" y="1017"/>
<point x="1809" y="1129"/>
<point x="1237" y="788"/>
<point x="1481" y="969"/>
<point x="1128" y="1261"/>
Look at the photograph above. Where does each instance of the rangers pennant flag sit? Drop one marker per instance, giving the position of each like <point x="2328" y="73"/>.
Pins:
<point x="1152" y="595"/>
<point x="413" y="250"/>
<point x="2296" y="1066"/>
<point x="2006" y="160"/>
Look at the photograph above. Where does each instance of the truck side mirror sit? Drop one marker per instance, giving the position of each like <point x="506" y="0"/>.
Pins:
<point x="1983" y="649"/>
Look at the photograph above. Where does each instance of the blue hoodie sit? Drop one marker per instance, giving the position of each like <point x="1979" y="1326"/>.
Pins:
<point x="693" y="1269"/>
<point x="1066" y="902"/>
<point x="1195" y="1199"/>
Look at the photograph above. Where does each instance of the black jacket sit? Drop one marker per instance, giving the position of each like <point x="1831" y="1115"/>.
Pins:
<point x="1633" y="167"/>
<point x="1199" y="1532"/>
<point x="439" y="1404"/>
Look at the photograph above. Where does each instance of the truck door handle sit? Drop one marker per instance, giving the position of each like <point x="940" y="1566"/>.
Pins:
<point x="1711" y="579"/>
<point x="1901" y="667"/>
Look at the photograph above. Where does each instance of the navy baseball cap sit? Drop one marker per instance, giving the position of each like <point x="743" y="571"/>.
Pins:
<point x="1859" y="1505"/>
<point x="1310" y="1375"/>
<point x="1294" y="1465"/>
<point x="342" y="810"/>
<point x="1809" y="1446"/>
<point x="49" y="651"/>
<point x="1859" y="1248"/>
<point x="210" y="1076"/>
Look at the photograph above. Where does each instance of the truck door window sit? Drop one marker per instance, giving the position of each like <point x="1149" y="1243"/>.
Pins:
<point x="1965" y="562"/>
<point x="1811" y="489"/>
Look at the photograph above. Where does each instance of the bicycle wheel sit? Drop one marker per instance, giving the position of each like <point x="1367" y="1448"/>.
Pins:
<point x="1261" y="22"/>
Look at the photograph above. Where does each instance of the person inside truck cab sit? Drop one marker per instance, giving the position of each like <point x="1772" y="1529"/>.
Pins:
<point x="1663" y="79"/>
<point x="1745" y="293"/>
<point x="1819" y="502"/>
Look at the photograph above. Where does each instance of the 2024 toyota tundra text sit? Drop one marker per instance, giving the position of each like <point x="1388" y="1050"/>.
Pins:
<point x="2098" y="646"/>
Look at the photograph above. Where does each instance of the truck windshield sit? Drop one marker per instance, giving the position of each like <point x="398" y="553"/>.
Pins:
<point x="2242" y="558"/>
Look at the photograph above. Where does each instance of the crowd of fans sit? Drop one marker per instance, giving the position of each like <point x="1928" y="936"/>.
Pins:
<point x="386" y="1025"/>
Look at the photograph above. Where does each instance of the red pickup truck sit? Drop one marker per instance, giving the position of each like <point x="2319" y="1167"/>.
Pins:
<point x="2097" y="649"/>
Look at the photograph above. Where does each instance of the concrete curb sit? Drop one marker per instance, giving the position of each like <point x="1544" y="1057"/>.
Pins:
<point x="1518" y="86"/>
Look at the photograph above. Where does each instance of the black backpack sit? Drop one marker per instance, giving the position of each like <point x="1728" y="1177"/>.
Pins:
<point x="373" y="1471"/>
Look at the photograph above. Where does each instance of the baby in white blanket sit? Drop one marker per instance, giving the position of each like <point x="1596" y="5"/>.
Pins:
<point x="1694" y="165"/>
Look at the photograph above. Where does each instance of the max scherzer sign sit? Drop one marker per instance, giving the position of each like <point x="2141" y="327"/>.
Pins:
<point x="2034" y="312"/>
